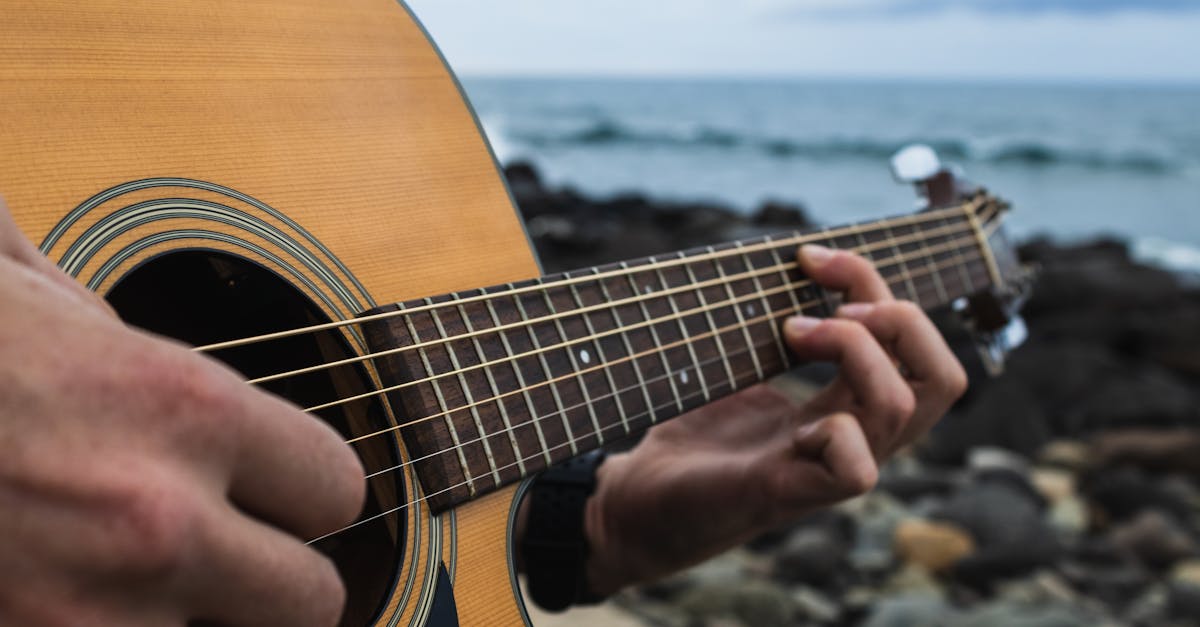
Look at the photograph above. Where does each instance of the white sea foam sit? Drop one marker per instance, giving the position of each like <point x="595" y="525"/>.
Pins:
<point x="1173" y="256"/>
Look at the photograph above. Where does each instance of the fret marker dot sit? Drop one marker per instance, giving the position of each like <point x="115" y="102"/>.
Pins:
<point x="584" y="356"/>
<point x="683" y="377"/>
<point x="750" y="311"/>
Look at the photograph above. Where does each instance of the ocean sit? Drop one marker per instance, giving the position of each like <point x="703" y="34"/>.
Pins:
<point x="1077" y="162"/>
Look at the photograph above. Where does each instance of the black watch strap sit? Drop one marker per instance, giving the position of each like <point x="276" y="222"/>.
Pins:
<point x="555" y="545"/>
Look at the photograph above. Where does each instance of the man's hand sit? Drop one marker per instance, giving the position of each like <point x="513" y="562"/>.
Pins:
<point x="141" y="484"/>
<point x="720" y="475"/>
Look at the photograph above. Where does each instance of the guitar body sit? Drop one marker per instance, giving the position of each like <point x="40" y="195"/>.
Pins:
<point x="222" y="169"/>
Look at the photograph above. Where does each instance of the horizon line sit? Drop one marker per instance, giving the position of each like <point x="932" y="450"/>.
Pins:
<point x="1002" y="79"/>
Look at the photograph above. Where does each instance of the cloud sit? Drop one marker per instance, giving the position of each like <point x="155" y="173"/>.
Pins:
<point x="902" y="8"/>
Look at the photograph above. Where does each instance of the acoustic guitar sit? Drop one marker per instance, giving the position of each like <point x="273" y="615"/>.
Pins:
<point x="283" y="184"/>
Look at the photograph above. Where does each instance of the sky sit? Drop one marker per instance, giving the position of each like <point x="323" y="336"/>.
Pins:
<point x="1053" y="40"/>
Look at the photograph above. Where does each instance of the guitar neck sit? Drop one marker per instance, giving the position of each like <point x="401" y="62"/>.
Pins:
<point x="498" y="383"/>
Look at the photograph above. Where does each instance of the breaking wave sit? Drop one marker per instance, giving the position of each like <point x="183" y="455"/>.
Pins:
<point x="1023" y="152"/>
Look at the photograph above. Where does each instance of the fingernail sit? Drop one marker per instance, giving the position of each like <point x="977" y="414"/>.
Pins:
<point x="855" y="310"/>
<point x="799" y="325"/>
<point x="815" y="253"/>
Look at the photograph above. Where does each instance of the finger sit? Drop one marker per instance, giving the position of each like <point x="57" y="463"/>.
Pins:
<point x="844" y="272"/>
<point x="903" y="328"/>
<point x="838" y="443"/>
<point x="251" y="575"/>
<point x="294" y="470"/>
<point x="14" y="245"/>
<point x="884" y="397"/>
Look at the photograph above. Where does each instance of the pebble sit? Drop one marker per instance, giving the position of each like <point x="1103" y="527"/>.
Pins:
<point x="912" y="579"/>
<point x="910" y="610"/>
<point x="1004" y="613"/>
<point x="811" y="555"/>
<point x="1053" y="484"/>
<point x="756" y="603"/>
<point x="1187" y="572"/>
<point x="993" y="458"/>
<point x="878" y="515"/>
<point x="935" y="546"/>
<point x="1066" y="454"/>
<point x="1155" y="539"/>
<point x="816" y="606"/>
<point x="1069" y="516"/>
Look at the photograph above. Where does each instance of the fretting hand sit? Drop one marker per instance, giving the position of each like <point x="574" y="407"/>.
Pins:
<point x="141" y="484"/>
<point x="719" y="475"/>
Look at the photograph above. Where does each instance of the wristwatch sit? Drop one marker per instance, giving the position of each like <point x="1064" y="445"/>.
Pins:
<point x="555" y="546"/>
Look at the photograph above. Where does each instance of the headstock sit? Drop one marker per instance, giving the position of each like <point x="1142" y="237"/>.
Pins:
<point x="992" y="314"/>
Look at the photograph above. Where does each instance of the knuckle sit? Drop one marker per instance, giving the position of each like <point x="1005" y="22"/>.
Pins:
<point x="956" y="382"/>
<point x="907" y="310"/>
<point x="897" y="406"/>
<point x="191" y="395"/>
<point x="847" y="332"/>
<point x="862" y="478"/>
<point x="198" y="388"/>
<point x="151" y="528"/>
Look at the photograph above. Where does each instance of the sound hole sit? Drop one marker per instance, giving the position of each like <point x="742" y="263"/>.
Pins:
<point x="203" y="297"/>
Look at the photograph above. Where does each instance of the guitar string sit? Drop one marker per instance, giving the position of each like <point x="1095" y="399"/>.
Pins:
<point x="959" y="260"/>
<point x="570" y="441"/>
<point x="972" y="206"/>
<point x="637" y="298"/>
<point x="959" y="244"/>
<point x="616" y="393"/>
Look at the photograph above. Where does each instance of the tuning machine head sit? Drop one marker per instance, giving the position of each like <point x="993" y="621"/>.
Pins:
<point x="994" y="321"/>
<point x="937" y="185"/>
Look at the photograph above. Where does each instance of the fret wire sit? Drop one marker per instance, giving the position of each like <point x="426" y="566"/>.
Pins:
<point x="930" y="259"/>
<point x="623" y="332"/>
<point x="824" y="294"/>
<point x="663" y="406"/>
<point x="546" y="417"/>
<point x="444" y="490"/>
<point x="912" y="289"/>
<point x="598" y="307"/>
<point x="827" y="297"/>
<point x="643" y="383"/>
<point x="968" y="283"/>
<point x="562" y="334"/>
<point x="683" y="332"/>
<point x="441" y="399"/>
<point x="548" y="372"/>
<point x="786" y="280"/>
<point x="612" y="385"/>
<point x="800" y="239"/>
<point x="958" y="256"/>
<point x="512" y="438"/>
<point x="661" y="349"/>
<point x="758" y="288"/>
<point x="662" y="354"/>
<point x="520" y="376"/>
<point x="718" y="340"/>
<point x="737" y="312"/>
<point x="468" y="395"/>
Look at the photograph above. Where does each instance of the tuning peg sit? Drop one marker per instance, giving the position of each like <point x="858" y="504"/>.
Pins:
<point x="937" y="185"/>
<point x="915" y="164"/>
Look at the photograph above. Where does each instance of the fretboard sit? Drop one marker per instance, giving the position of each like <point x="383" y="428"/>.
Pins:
<point x="496" y="384"/>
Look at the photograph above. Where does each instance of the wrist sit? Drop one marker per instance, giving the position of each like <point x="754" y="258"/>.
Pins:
<point x="605" y="575"/>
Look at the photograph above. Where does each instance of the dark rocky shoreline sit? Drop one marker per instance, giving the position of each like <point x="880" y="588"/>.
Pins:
<point x="1064" y="492"/>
